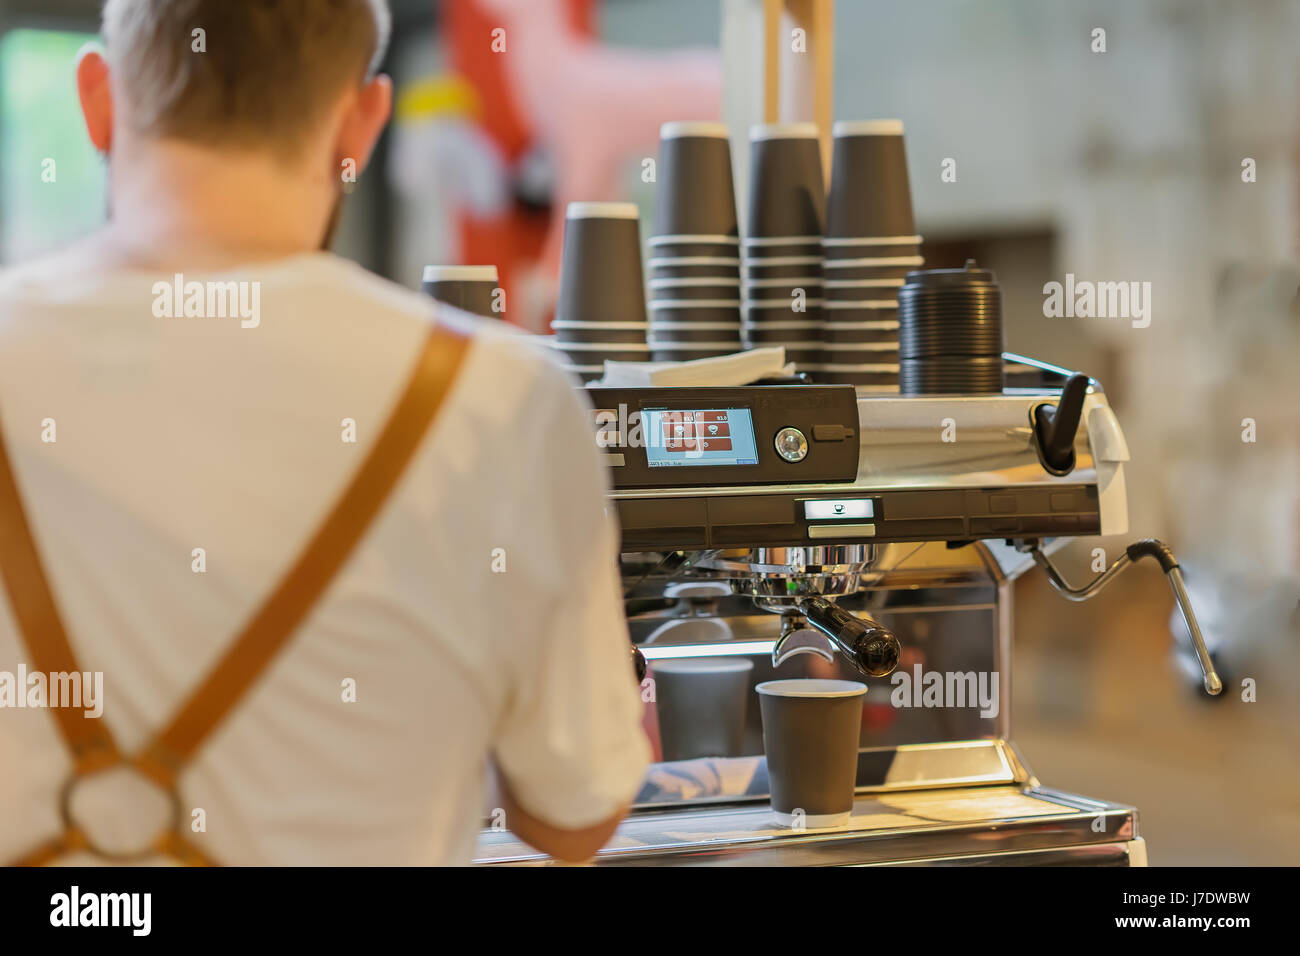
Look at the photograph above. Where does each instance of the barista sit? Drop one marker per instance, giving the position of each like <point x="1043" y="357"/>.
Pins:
<point x="330" y="562"/>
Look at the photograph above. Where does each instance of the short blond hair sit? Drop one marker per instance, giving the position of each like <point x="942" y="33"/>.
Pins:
<point x="260" y="74"/>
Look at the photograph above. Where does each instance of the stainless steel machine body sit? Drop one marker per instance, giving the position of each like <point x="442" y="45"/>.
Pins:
<point x="888" y="519"/>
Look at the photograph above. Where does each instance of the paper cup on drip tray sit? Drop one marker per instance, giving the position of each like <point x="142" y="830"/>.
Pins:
<point x="810" y="736"/>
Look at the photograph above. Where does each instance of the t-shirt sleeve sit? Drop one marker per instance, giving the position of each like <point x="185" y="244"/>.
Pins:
<point x="570" y="742"/>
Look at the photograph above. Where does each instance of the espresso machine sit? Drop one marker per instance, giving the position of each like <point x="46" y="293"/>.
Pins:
<point x="820" y="530"/>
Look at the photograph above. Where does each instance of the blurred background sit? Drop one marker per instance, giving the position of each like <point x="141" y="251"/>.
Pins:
<point x="1170" y="158"/>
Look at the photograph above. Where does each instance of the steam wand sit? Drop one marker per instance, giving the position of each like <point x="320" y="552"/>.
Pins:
<point x="1146" y="548"/>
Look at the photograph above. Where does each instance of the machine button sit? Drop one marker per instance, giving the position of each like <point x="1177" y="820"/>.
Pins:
<point x="831" y="433"/>
<point x="791" y="444"/>
<point x="843" y="531"/>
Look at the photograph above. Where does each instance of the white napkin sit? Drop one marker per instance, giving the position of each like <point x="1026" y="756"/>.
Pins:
<point x="738" y="368"/>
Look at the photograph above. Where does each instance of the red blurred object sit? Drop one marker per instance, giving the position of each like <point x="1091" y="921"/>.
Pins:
<point x="512" y="240"/>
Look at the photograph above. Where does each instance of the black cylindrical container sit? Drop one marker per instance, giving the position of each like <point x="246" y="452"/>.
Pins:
<point x="950" y="332"/>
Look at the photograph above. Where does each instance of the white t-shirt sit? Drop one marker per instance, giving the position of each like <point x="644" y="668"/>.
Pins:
<point x="480" y="616"/>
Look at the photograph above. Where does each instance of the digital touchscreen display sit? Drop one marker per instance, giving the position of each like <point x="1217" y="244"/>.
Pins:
<point x="702" y="436"/>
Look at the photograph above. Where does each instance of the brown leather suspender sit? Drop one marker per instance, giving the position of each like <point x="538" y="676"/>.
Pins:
<point x="41" y="628"/>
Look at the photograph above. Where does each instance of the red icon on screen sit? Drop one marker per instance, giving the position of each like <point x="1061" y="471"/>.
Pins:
<point x="695" y="431"/>
<point x="676" y="431"/>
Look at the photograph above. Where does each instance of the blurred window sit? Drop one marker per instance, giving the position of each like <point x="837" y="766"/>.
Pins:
<point x="52" y="183"/>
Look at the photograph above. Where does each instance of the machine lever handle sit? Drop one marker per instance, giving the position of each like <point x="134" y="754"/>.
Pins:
<point x="873" y="649"/>
<point x="1056" y="425"/>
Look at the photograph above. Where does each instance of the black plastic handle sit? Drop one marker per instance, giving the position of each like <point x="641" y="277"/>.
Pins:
<point x="873" y="649"/>
<point x="1056" y="425"/>
<point x="638" y="663"/>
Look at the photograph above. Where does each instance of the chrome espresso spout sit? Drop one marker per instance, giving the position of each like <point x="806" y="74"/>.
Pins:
<point x="872" y="648"/>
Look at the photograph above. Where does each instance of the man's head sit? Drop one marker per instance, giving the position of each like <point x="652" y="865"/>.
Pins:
<point x="290" y="84"/>
<point x="252" y="74"/>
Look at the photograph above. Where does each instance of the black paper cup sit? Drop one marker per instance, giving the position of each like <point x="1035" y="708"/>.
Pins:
<point x="846" y="293"/>
<point x="782" y="267"/>
<point x="863" y="373"/>
<point x="695" y="350"/>
<point x="695" y="267"/>
<point x="866" y="278"/>
<point x="884" y="267"/>
<point x="884" y="382"/>
<point x="859" y="353"/>
<point x="783" y="290"/>
<point x="725" y="310"/>
<point x="758" y="249"/>
<point x="913" y="261"/>
<point x="779" y="333"/>
<point x="785" y="308"/>
<point x="870" y="194"/>
<point x="872" y="267"/>
<point x="679" y="247"/>
<point x="787" y="196"/>
<point x="670" y="333"/>
<point x="870" y="247"/>
<point x="600" y="268"/>
<point x="860" y="310"/>
<point x="802" y="353"/>
<point x="869" y="332"/>
<point x="596" y="353"/>
<point x="694" y="289"/>
<point x="694" y="194"/>
<point x="704" y="316"/>
<point x="599" y="332"/>
<point x="810" y="736"/>
<point x="472" y="288"/>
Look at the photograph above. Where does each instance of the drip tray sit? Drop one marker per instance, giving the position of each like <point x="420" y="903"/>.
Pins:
<point x="972" y="825"/>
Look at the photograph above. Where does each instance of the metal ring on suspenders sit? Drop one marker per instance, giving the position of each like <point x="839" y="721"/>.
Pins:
<point x="155" y="847"/>
<point x="40" y="626"/>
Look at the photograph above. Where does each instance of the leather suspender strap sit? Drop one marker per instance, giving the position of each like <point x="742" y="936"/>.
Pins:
<point x="40" y="626"/>
<point x="282" y="613"/>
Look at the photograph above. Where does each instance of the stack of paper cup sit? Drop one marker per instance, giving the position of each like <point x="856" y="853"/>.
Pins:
<point x="870" y="245"/>
<point x="694" y="257"/>
<point x="783" y="254"/>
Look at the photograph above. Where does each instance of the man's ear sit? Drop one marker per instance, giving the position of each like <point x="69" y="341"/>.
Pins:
<point x="95" y="95"/>
<point x="364" y="121"/>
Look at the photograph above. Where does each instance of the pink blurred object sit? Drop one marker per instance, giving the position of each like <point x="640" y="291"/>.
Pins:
<point x="594" y="106"/>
